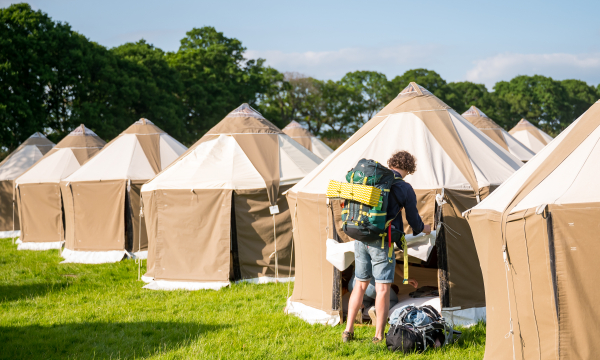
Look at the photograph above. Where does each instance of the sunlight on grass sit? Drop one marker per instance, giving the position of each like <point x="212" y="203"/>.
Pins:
<point x="72" y="311"/>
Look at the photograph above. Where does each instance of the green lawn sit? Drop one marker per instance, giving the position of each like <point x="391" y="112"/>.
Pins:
<point x="48" y="310"/>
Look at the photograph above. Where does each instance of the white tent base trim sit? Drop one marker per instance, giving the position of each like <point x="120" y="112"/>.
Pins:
<point x="266" y="280"/>
<point x="464" y="317"/>
<point x="40" y="246"/>
<point x="183" y="285"/>
<point x="10" y="234"/>
<point x="310" y="314"/>
<point x="92" y="257"/>
<point x="140" y="255"/>
<point x="147" y="279"/>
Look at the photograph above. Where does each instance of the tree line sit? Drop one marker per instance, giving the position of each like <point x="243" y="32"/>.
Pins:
<point x="53" y="78"/>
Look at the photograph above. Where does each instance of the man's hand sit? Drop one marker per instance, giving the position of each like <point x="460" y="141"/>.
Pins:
<point x="427" y="229"/>
<point x="414" y="283"/>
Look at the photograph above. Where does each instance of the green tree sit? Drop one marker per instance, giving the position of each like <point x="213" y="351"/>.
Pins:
<point x="216" y="77"/>
<point x="373" y="89"/>
<point x="581" y="96"/>
<point x="37" y="71"/>
<point x="153" y="87"/>
<point x="539" y="99"/>
<point x="430" y="80"/>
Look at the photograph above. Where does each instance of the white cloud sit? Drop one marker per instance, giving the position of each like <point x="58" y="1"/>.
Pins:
<point x="558" y="66"/>
<point x="391" y="60"/>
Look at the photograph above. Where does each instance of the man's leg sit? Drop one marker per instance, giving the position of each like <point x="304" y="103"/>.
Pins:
<point x="355" y="302"/>
<point x="382" y="307"/>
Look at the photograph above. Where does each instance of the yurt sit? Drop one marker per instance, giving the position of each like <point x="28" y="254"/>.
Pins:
<point x="530" y="136"/>
<point x="30" y="151"/>
<point x="38" y="189"/>
<point x="308" y="140"/>
<point x="457" y="165"/>
<point x="498" y="134"/>
<point x="218" y="214"/>
<point x="538" y="238"/>
<point x="102" y="199"/>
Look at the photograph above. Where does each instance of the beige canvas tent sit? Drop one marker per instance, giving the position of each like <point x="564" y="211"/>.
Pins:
<point x="498" y="134"/>
<point x="308" y="140"/>
<point x="208" y="215"/>
<point x="38" y="189"/>
<point x="530" y="136"/>
<point x="30" y="151"/>
<point x="102" y="198"/>
<point x="456" y="163"/>
<point x="541" y="298"/>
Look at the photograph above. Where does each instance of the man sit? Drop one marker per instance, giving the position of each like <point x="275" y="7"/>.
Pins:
<point x="371" y="261"/>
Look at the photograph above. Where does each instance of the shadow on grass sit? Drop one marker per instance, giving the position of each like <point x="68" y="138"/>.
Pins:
<point x="28" y="291"/>
<point x="98" y="339"/>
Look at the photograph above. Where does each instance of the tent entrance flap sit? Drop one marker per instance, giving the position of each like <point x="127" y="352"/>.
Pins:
<point x="41" y="212"/>
<point x="99" y="215"/>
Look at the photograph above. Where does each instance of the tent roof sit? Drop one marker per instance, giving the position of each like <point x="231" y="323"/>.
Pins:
<point x="497" y="133"/>
<point x="27" y="154"/>
<point x="254" y="155"/>
<point x="66" y="157"/>
<point x="450" y="151"/>
<point x="308" y="140"/>
<point x="530" y="136"/>
<point x="244" y="119"/>
<point x="138" y="153"/>
<point x="564" y="172"/>
<point x="295" y="130"/>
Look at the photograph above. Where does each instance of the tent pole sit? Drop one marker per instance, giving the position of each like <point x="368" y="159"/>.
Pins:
<point x="276" y="256"/>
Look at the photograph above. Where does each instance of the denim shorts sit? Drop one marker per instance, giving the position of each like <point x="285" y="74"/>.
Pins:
<point x="371" y="261"/>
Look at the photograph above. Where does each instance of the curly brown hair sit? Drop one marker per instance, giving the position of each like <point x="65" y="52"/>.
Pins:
<point x="403" y="160"/>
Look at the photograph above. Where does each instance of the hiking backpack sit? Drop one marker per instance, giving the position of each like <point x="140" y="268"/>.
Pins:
<point x="365" y="195"/>
<point x="406" y="336"/>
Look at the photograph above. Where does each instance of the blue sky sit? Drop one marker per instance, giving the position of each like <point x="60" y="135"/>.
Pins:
<point x="480" y="41"/>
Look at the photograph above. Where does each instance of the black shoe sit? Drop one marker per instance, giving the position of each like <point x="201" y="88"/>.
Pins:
<point x="347" y="336"/>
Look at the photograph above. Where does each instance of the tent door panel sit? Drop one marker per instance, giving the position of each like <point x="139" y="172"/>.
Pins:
<point x="235" y="273"/>
<point x="6" y="207"/>
<point x="99" y="209"/>
<point x="41" y="211"/>
<point x="193" y="235"/>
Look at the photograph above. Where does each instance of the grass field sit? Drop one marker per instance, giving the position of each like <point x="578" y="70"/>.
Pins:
<point x="70" y="311"/>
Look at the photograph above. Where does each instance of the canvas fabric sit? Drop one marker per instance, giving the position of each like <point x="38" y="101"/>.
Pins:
<point x="6" y="207"/>
<point x="550" y="300"/>
<point x="40" y="211"/>
<point x="299" y="134"/>
<point x="254" y="226"/>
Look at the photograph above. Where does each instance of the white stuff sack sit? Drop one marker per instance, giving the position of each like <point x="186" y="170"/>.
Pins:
<point x="340" y="255"/>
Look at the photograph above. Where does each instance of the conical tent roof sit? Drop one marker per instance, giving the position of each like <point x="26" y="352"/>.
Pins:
<point x="138" y="153"/>
<point x="498" y="134"/>
<point x="15" y="164"/>
<point x="27" y="154"/>
<point x="227" y="180"/>
<point x="306" y="139"/>
<point x="530" y="136"/>
<point x="66" y="157"/>
<point x="538" y="243"/>
<point x="102" y="197"/>
<point x="455" y="161"/>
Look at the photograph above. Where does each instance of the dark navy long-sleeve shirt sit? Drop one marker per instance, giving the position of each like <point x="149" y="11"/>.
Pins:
<point x="402" y="196"/>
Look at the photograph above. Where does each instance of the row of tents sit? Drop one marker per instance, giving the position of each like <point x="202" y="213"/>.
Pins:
<point x="227" y="209"/>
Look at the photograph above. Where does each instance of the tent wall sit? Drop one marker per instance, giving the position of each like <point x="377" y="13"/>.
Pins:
<point x="140" y="242"/>
<point x="99" y="215"/>
<point x="198" y="251"/>
<point x="576" y="238"/>
<point x="6" y="207"/>
<point x="313" y="284"/>
<point x="254" y="225"/>
<point x="488" y="240"/>
<point x="151" y="222"/>
<point x="40" y="212"/>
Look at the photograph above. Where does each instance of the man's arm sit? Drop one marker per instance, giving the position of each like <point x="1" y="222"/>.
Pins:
<point x="412" y="214"/>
